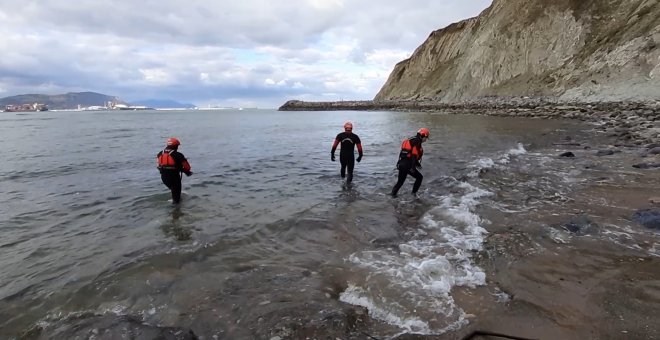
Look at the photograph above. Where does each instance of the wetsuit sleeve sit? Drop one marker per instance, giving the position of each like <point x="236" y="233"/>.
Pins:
<point x="185" y="166"/>
<point x="334" y="144"/>
<point x="358" y="143"/>
<point x="414" y="159"/>
<point x="415" y="154"/>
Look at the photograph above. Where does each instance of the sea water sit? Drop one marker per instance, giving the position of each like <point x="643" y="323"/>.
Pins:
<point x="267" y="234"/>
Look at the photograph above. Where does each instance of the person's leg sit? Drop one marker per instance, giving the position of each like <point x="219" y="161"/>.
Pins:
<point x="176" y="190"/>
<point x="166" y="180"/>
<point x="403" y="173"/>
<point x="342" y="172"/>
<point x="173" y="182"/>
<point x="418" y="181"/>
<point x="350" y="164"/>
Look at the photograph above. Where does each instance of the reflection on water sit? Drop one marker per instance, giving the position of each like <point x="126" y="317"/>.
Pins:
<point x="174" y="228"/>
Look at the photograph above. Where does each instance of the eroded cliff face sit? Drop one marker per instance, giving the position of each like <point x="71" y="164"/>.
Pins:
<point x="584" y="50"/>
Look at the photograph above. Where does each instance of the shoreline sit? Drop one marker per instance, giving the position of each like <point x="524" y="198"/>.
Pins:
<point x="632" y="123"/>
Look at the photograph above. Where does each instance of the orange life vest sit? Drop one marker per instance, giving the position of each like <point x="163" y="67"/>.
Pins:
<point x="408" y="150"/>
<point x="166" y="161"/>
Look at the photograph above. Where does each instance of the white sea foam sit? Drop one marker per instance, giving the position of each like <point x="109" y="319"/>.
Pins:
<point x="359" y="297"/>
<point x="559" y="236"/>
<point x="487" y="163"/>
<point x="655" y="249"/>
<point x="410" y="287"/>
<point x="518" y="150"/>
<point x="480" y="165"/>
<point x="628" y="237"/>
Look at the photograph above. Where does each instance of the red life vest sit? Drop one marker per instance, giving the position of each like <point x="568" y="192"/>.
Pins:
<point x="166" y="161"/>
<point x="408" y="150"/>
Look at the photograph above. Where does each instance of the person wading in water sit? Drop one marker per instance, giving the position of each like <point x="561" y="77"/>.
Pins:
<point x="410" y="159"/>
<point x="171" y="163"/>
<point x="348" y="141"/>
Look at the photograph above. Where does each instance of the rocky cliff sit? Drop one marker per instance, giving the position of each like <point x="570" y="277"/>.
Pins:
<point x="572" y="50"/>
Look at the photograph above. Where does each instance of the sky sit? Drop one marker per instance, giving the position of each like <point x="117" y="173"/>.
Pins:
<point x="239" y="53"/>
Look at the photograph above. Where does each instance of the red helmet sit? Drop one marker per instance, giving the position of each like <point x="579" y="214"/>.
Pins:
<point x="348" y="126"/>
<point x="424" y="132"/>
<point x="173" y="142"/>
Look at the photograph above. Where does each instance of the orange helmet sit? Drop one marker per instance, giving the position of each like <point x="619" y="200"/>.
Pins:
<point x="348" y="126"/>
<point x="173" y="142"/>
<point x="424" y="132"/>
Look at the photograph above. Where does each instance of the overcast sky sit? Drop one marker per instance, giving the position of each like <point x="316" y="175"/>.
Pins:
<point x="229" y="53"/>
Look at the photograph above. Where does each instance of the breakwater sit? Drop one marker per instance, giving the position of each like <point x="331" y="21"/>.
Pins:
<point x="634" y="123"/>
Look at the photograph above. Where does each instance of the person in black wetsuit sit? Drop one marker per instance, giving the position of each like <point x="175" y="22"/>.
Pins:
<point x="171" y="163"/>
<point x="410" y="159"/>
<point x="348" y="141"/>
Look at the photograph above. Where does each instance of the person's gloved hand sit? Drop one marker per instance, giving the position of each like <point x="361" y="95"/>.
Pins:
<point x="359" y="158"/>
<point x="189" y="173"/>
<point x="332" y="157"/>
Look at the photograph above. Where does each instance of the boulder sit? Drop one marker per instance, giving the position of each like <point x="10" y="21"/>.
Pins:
<point x="649" y="218"/>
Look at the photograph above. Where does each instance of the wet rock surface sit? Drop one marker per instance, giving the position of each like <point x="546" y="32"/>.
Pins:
<point x="90" y="326"/>
<point x="581" y="225"/>
<point x="649" y="218"/>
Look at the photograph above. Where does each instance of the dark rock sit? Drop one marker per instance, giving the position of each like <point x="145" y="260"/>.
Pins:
<point x="646" y="165"/>
<point x="567" y="154"/>
<point x="649" y="218"/>
<point x="654" y="151"/>
<point x="604" y="152"/>
<point x="581" y="225"/>
<point x="594" y="166"/>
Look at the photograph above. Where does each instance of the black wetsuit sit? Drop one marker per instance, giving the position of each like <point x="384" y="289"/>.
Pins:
<point x="408" y="161"/>
<point x="348" y="141"/>
<point x="171" y="174"/>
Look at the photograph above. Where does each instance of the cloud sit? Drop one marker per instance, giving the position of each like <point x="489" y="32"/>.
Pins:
<point x="256" y="51"/>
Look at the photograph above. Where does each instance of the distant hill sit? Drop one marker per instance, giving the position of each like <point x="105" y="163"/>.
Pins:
<point x="73" y="100"/>
<point x="163" y="104"/>
<point x="62" y="101"/>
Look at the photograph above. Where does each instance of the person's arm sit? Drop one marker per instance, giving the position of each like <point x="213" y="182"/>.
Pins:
<point x="185" y="166"/>
<point x="334" y="148"/>
<point x="359" y="147"/>
<point x="413" y="167"/>
<point x="415" y="157"/>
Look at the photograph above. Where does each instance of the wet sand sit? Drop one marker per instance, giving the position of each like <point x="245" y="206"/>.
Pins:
<point x="563" y="285"/>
